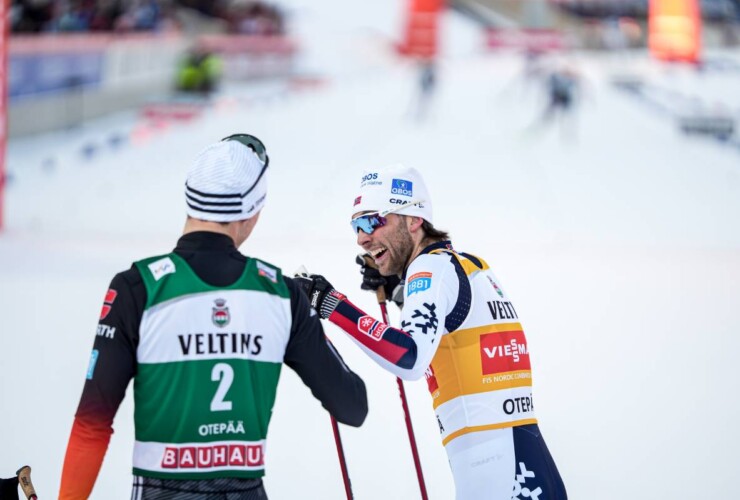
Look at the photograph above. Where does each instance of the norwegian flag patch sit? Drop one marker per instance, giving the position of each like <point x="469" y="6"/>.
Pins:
<point x="371" y="327"/>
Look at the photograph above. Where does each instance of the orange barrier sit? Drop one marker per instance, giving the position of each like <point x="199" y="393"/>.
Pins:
<point x="421" y="30"/>
<point x="675" y="30"/>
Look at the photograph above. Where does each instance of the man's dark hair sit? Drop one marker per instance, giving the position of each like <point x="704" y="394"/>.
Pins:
<point x="433" y="233"/>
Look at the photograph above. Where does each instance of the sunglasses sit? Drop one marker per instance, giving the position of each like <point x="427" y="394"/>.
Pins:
<point x="370" y="222"/>
<point x="259" y="149"/>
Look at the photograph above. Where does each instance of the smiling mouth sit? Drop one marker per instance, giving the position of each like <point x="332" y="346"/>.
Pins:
<point x="377" y="253"/>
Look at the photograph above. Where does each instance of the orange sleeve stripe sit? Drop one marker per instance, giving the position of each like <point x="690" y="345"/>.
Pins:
<point x="87" y="445"/>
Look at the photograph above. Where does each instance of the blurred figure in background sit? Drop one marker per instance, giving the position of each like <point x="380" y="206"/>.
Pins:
<point x="562" y="92"/>
<point x="562" y="85"/>
<point x="199" y="72"/>
<point x="248" y="17"/>
<point x="427" y="83"/>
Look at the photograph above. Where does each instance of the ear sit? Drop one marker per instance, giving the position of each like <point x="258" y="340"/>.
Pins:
<point x="415" y="223"/>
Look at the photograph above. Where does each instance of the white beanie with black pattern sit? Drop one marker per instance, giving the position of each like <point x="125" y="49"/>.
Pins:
<point x="227" y="182"/>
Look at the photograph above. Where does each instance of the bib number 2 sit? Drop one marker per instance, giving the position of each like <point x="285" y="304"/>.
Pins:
<point x="222" y="373"/>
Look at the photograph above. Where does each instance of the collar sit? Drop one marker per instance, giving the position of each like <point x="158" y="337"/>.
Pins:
<point x="445" y="244"/>
<point x="204" y="241"/>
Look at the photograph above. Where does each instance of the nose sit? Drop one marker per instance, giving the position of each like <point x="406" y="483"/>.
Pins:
<point x="363" y="238"/>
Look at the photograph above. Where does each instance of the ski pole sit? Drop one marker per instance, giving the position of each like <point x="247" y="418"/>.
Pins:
<point x="24" y="479"/>
<point x="342" y="461"/>
<point x="380" y="293"/>
<point x="301" y="271"/>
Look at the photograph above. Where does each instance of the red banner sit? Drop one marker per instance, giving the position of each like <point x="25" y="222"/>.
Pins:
<point x="421" y="31"/>
<point x="535" y="40"/>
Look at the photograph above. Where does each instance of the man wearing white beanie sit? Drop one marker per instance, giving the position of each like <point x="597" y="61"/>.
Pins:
<point x="204" y="331"/>
<point x="458" y="329"/>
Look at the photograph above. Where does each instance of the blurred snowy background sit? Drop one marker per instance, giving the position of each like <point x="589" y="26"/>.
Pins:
<point x="615" y="232"/>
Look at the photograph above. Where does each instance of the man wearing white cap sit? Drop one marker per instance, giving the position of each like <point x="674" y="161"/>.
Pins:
<point x="458" y="329"/>
<point x="204" y="332"/>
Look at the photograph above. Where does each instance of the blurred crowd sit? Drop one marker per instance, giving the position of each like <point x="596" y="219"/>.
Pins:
<point x="245" y="17"/>
<point x="37" y="16"/>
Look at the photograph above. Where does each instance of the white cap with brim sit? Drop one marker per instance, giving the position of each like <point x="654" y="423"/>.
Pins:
<point x="394" y="189"/>
<point x="226" y="183"/>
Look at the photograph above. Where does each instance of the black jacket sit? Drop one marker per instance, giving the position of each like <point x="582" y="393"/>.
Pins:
<point x="215" y="259"/>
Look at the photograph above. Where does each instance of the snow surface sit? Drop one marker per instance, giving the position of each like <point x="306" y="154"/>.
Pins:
<point x="619" y="243"/>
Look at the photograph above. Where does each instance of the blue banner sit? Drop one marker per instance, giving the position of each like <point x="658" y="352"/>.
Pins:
<point x="30" y="74"/>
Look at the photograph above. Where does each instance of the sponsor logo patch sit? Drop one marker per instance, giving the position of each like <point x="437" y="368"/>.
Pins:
<point x="106" y="331"/>
<point x="110" y="297"/>
<point x="504" y="352"/>
<point x="267" y="271"/>
<point x="518" y="405"/>
<point x="495" y="287"/>
<point x="402" y="187"/>
<point x="161" y="268"/>
<point x="426" y="320"/>
<point x="418" y="283"/>
<point x="431" y="380"/>
<point x="371" y="327"/>
<point x="206" y="457"/>
<point x="220" y="314"/>
<point x="91" y="365"/>
<point x="502" y="310"/>
<point x="531" y="490"/>
<point x="370" y="180"/>
<point x="358" y="200"/>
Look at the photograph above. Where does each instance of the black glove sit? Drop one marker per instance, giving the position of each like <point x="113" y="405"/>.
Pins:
<point x="9" y="489"/>
<point x="373" y="280"/>
<point x="322" y="296"/>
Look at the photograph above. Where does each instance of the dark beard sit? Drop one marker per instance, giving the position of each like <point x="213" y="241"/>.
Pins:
<point x="404" y="247"/>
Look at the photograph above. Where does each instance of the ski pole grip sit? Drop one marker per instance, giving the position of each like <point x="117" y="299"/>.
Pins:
<point x="380" y="294"/>
<point x="24" y="479"/>
<point x="365" y="260"/>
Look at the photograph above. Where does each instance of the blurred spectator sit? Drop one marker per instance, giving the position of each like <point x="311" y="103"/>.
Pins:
<point x="141" y="15"/>
<point x="200" y="71"/>
<point x="31" y="15"/>
<point x="211" y="8"/>
<point x="104" y="15"/>
<point x="71" y="16"/>
<point x="248" y="17"/>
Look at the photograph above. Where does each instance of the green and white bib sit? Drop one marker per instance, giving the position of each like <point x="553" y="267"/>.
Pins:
<point x="209" y="360"/>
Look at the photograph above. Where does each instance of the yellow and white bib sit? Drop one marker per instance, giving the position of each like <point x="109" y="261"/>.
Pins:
<point x="480" y="376"/>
